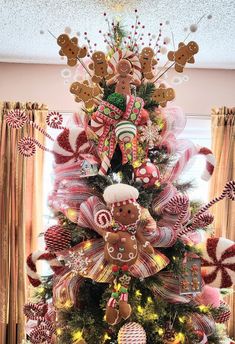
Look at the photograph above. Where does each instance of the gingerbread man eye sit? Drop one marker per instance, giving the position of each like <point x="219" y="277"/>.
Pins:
<point x="129" y="211"/>
<point x="120" y="210"/>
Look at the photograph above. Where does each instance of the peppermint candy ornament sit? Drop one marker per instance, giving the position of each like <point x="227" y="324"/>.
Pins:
<point x="132" y="333"/>
<point x="148" y="174"/>
<point x="70" y="144"/>
<point x="218" y="262"/>
<point x="57" y="238"/>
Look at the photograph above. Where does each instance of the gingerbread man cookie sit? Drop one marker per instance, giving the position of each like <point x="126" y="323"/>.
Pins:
<point x="163" y="94"/>
<point x="184" y="54"/>
<point x="147" y="62"/>
<point x="84" y="92"/>
<point x="123" y="79"/>
<point x="99" y="66"/>
<point x="70" y="49"/>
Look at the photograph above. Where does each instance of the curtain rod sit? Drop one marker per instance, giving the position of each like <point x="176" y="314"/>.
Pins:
<point x="193" y="115"/>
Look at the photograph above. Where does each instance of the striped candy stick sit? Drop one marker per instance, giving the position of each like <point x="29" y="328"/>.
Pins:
<point x="201" y="221"/>
<point x="229" y="192"/>
<point x="179" y="204"/>
<point x="189" y="153"/>
<point x="31" y="269"/>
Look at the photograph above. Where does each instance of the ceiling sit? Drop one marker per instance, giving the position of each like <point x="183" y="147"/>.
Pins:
<point x="24" y="24"/>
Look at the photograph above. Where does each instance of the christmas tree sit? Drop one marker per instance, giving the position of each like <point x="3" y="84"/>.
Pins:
<point x="128" y="261"/>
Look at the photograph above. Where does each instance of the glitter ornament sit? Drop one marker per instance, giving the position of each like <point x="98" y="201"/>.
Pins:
<point x="223" y="313"/>
<point x="27" y="146"/>
<point x="57" y="238"/>
<point x="132" y="333"/>
<point x="148" y="174"/>
<point x="150" y="134"/>
<point x="16" y="118"/>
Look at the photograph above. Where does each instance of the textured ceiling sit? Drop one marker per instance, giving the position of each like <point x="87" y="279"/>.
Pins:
<point x="24" y="25"/>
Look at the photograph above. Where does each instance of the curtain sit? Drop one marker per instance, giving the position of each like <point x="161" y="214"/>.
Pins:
<point x="223" y="140"/>
<point x="20" y="217"/>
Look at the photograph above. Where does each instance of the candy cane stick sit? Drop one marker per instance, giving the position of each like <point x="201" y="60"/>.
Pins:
<point x="178" y="168"/>
<point x="201" y="221"/>
<point x="52" y="260"/>
<point x="183" y="202"/>
<point x="229" y="192"/>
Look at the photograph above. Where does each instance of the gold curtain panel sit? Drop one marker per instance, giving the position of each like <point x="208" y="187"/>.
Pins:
<point x="20" y="218"/>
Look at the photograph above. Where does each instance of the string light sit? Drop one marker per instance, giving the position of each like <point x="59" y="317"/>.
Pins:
<point x="59" y="331"/>
<point x="106" y="337"/>
<point x="182" y="319"/>
<point x="160" y="331"/>
<point x="140" y="309"/>
<point x="77" y="335"/>
<point x="138" y="293"/>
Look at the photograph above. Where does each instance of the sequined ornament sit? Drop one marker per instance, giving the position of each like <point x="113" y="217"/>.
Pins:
<point x="148" y="174"/>
<point x="132" y="333"/>
<point x="57" y="238"/>
<point x="150" y="134"/>
<point x="223" y="313"/>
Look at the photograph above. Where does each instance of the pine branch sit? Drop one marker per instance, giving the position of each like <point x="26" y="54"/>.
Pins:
<point x="145" y="91"/>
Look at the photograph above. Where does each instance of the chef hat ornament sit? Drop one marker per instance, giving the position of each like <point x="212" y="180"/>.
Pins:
<point x="120" y="194"/>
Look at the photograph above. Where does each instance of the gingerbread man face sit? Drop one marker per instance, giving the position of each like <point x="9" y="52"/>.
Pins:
<point x="123" y="67"/>
<point x="147" y="53"/>
<point x="98" y="57"/>
<point x="126" y="214"/>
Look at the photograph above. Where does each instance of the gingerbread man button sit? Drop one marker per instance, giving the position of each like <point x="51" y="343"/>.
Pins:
<point x="123" y="79"/>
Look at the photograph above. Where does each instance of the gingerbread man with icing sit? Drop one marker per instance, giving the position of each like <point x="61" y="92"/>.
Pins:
<point x="123" y="242"/>
<point x="184" y="54"/>
<point x="70" y="49"/>
<point x="147" y="62"/>
<point x="162" y="95"/>
<point x="84" y="92"/>
<point x="99" y="66"/>
<point x="123" y="79"/>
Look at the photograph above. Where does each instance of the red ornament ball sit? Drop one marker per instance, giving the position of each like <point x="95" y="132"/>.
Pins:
<point x="144" y="117"/>
<point x="57" y="238"/>
<point x="147" y="173"/>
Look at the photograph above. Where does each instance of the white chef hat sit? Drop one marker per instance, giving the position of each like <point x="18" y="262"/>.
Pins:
<point x="120" y="194"/>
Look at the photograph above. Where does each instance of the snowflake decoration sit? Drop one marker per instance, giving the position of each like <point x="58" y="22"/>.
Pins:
<point x="150" y="134"/>
<point x="125" y="279"/>
<point x="78" y="262"/>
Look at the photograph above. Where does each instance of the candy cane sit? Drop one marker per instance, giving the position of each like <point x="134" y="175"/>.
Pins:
<point x="178" y="168"/>
<point x="52" y="260"/>
<point x="182" y="203"/>
<point x="201" y="221"/>
<point x="104" y="166"/>
<point x="229" y="192"/>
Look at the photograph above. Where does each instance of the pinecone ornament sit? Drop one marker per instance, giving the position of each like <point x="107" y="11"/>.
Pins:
<point x="132" y="333"/>
<point x="57" y="238"/>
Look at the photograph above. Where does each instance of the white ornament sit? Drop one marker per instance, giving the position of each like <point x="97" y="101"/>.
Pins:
<point x="78" y="262"/>
<point x="150" y="134"/>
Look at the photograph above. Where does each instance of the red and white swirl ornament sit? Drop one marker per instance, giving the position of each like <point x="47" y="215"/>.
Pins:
<point x="218" y="262"/>
<point x="31" y="268"/>
<point x="103" y="218"/>
<point x="70" y="145"/>
<point x="127" y="55"/>
<point x="34" y="311"/>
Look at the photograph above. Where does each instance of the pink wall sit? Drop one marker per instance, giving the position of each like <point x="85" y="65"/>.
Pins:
<point x="44" y="84"/>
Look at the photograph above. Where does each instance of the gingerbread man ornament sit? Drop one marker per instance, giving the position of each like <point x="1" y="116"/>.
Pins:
<point x="184" y="54"/>
<point x="70" y="49"/>
<point x="147" y="62"/>
<point x="123" y="79"/>
<point x="99" y="66"/>
<point x="86" y="93"/>
<point x="123" y="240"/>
<point x="163" y="94"/>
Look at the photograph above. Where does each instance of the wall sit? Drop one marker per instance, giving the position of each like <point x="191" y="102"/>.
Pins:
<point x="44" y="84"/>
